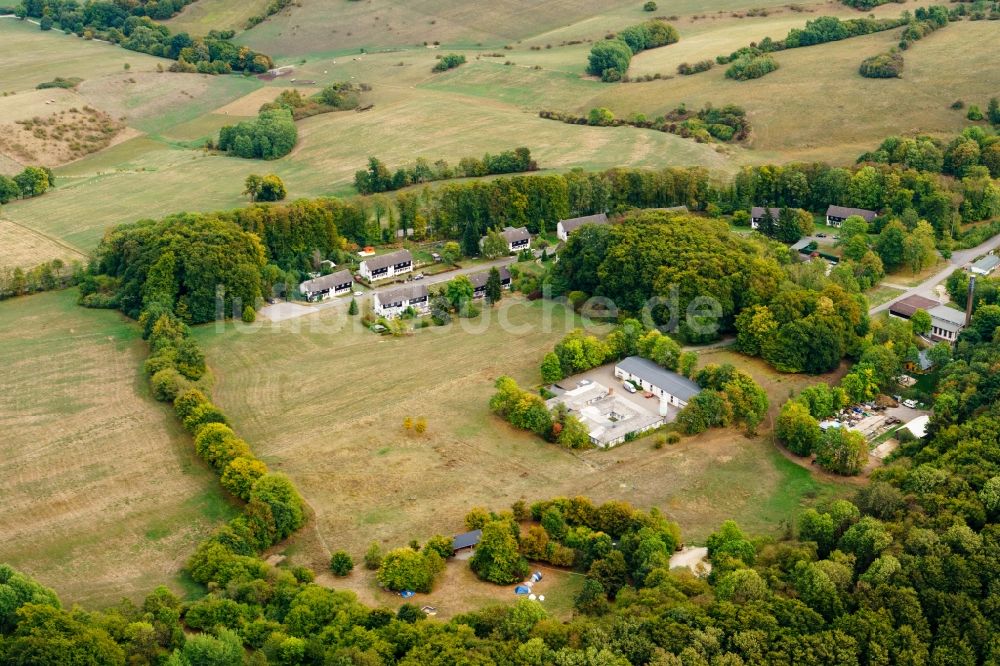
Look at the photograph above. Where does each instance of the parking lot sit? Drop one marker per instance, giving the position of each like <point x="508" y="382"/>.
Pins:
<point x="605" y="375"/>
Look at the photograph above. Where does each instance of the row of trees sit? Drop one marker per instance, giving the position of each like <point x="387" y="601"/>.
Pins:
<point x="378" y="178"/>
<point x="891" y="188"/>
<point x="726" y="123"/>
<point x="610" y="58"/>
<point x="132" y="26"/>
<point x="55" y="274"/>
<point x="271" y="135"/>
<point x="754" y="60"/>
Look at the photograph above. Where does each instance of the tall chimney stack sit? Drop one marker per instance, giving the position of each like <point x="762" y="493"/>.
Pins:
<point x="968" y="300"/>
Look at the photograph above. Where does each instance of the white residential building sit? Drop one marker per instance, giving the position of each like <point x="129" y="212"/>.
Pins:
<point x="387" y="265"/>
<point x="393" y="302"/>
<point x="835" y="215"/>
<point x="327" y="286"/>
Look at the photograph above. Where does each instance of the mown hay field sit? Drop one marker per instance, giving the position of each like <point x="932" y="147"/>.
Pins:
<point x="101" y="494"/>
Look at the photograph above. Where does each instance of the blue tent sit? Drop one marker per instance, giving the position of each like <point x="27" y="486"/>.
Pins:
<point x="522" y="589"/>
<point x="406" y="594"/>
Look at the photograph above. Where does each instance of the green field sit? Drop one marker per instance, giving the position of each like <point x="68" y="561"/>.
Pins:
<point x="31" y="57"/>
<point x="325" y="403"/>
<point x="204" y="15"/>
<point x="101" y="495"/>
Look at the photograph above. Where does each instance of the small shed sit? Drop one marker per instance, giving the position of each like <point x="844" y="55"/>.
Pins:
<point x="466" y="541"/>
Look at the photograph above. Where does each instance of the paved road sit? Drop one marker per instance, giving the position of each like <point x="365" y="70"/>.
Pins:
<point x="959" y="259"/>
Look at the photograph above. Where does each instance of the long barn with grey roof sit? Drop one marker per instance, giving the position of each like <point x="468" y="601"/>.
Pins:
<point x="677" y="389"/>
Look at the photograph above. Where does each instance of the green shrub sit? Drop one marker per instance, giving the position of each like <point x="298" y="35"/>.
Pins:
<point x="341" y="563"/>
<point x="882" y="66"/>
<point x="166" y="384"/>
<point x="751" y="67"/>
<point x="450" y="61"/>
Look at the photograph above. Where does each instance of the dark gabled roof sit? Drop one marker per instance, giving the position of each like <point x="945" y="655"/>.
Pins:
<point x="841" y="211"/>
<point x="758" y="211"/>
<point x="478" y="280"/>
<point x="391" y="259"/>
<point x="405" y="293"/>
<point x="905" y="307"/>
<point x="674" y="384"/>
<point x="467" y="539"/>
<point x="577" y="222"/>
<point x="326" y="282"/>
<point x="512" y="235"/>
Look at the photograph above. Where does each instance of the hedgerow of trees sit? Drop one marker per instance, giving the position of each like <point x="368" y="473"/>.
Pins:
<point x="726" y="123"/>
<point x="379" y="178"/>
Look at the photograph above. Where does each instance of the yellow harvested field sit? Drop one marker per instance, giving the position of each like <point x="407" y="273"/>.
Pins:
<point x="23" y="247"/>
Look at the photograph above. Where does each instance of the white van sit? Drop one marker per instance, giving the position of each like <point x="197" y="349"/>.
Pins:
<point x="629" y="386"/>
<point x="912" y="404"/>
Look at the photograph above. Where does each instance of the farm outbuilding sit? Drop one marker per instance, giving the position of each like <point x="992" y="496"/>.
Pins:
<point x="466" y="541"/>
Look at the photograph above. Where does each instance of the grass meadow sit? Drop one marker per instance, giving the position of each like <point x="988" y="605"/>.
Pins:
<point x="101" y="494"/>
<point x="325" y="403"/>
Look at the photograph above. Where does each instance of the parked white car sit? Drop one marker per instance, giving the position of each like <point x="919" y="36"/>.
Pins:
<point x="629" y="386"/>
<point x="912" y="404"/>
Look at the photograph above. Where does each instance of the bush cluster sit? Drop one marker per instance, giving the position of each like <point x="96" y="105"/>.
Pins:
<point x="272" y="8"/>
<point x="449" y="61"/>
<point x="701" y="66"/>
<point x="882" y="66"/>
<point x="33" y="181"/>
<point x="610" y="58"/>
<point x="748" y="67"/>
<point x="272" y="135"/>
